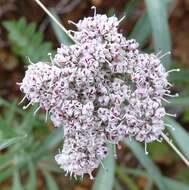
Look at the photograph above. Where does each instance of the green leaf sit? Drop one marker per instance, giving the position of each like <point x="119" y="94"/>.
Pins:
<point x="147" y="163"/>
<point x="10" y="113"/>
<point x="182" y="76"/>
<point x="16" y="182"/>
<point x="175" y="185"/>
<point x="163" y="151"/>
<point x="128" y="10"/>
<point x="180" y="136"/>
<point x="61" y="35"/>
<point x="21" y="24"/>
<point x="126" y="179"/>
<point x="180" y="101"/>
<point x="142" y="30"/>
<point x="117" y="185"/>
<point x="171" y="183"/>
<point x="31" y="184"/>
<point x="26" y="41"/>
<point x="8" y="142"/>
<point x="159" y="23"/>
<point x="105" y="176"/>
<point x="50" y="181"/>
<point x="111" y="12"/>
<point x="50" y="142"/>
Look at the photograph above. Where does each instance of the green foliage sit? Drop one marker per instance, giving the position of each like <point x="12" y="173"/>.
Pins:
<point x="4" y="143"/>
<point x="141" y="31"/>
<point x="21" y="152"/>
<point x="16" y="181"/>
<point x="105" y="177"/>
<point x="153" y="171"/>
<point x="50" y="181"/>
<point x="31" y="153"/>
<point x="61" y="35"/>
<point x="158" y="17"/>
<point x="26" y="41"/>
<point x="180" y="135"/>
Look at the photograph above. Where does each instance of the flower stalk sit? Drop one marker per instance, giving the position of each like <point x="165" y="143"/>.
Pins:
<point x="179" y="153"/>
<point x="54" y="19"/>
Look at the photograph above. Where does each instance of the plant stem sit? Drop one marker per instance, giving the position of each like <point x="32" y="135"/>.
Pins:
<point x="54" y="19"/>
<point x="166" y="138"/>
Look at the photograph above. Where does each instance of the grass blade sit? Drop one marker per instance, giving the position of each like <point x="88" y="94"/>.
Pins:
<point x="180" y="136"/>
<point x="159" y="23"/>
<point x="128" y="10"/>
<point x="126" y="179"/>
<point x="50" y="142"/>
<point x="105" y="178"/>
<point x="61" y="35"/>
<point x="171" y="183"/>
<point x="8" y="142"/>
<point x="16" y="182"/>
<point x="142" y="30"/>
<point x="180" y="101"/>
<point x="175" y="185"/>
<point x="182" y="76"/>
<point x="31" y="184"/>
<point x="147" y="163"/>
<point x="50" y="182"/>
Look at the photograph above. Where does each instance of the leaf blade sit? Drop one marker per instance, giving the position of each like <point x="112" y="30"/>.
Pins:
<point x="147" y="163"/>
<point x="8" y="142"/>
<point x="105" y="179"/>
<point x="61" y="35"/>
<point x="159" y="23"/>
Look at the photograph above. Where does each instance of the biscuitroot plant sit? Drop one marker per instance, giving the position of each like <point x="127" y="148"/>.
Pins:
<point x="101" y="89"/>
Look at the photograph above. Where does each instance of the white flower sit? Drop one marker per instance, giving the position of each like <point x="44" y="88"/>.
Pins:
<point x="101" y="89"/>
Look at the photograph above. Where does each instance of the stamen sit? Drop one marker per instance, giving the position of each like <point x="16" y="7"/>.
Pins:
<point x="29" y="60"/>
<point x="158" y="53"/>
<point x="94" y="8"/>
<point x="159" y="140"/>
<point x="51" y="59"/>
<point x="145" y="148"/>
<point x="25" y="107"/>
<point x="108" y="62"/>
<point x="168" y="83"/>
<point x="46" y="116"/>
<point x="171" y="115"/>
<point x="170" y="126"/>
<point x="19" y="83"/>
<point x="165" y="54"/>
<point x="72" y="31"/>
<point x="22" y="100"/>
<point x="165" y="100"/>
<point x="75" y="176"/>
<point x="173" y="70"/>
<point x="71" y="22"/>
<point x="172" y="95"/>
<point x="121" y="19"/>
<point x="67" y="172"/>
<point x="36" y="110"/>
<point x="91" y="177"/>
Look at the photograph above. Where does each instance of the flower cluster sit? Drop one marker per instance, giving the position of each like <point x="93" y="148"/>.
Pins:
<point x="101" y="89"/>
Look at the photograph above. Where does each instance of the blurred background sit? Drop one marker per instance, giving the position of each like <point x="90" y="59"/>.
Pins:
<point x="28" y="143"/>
